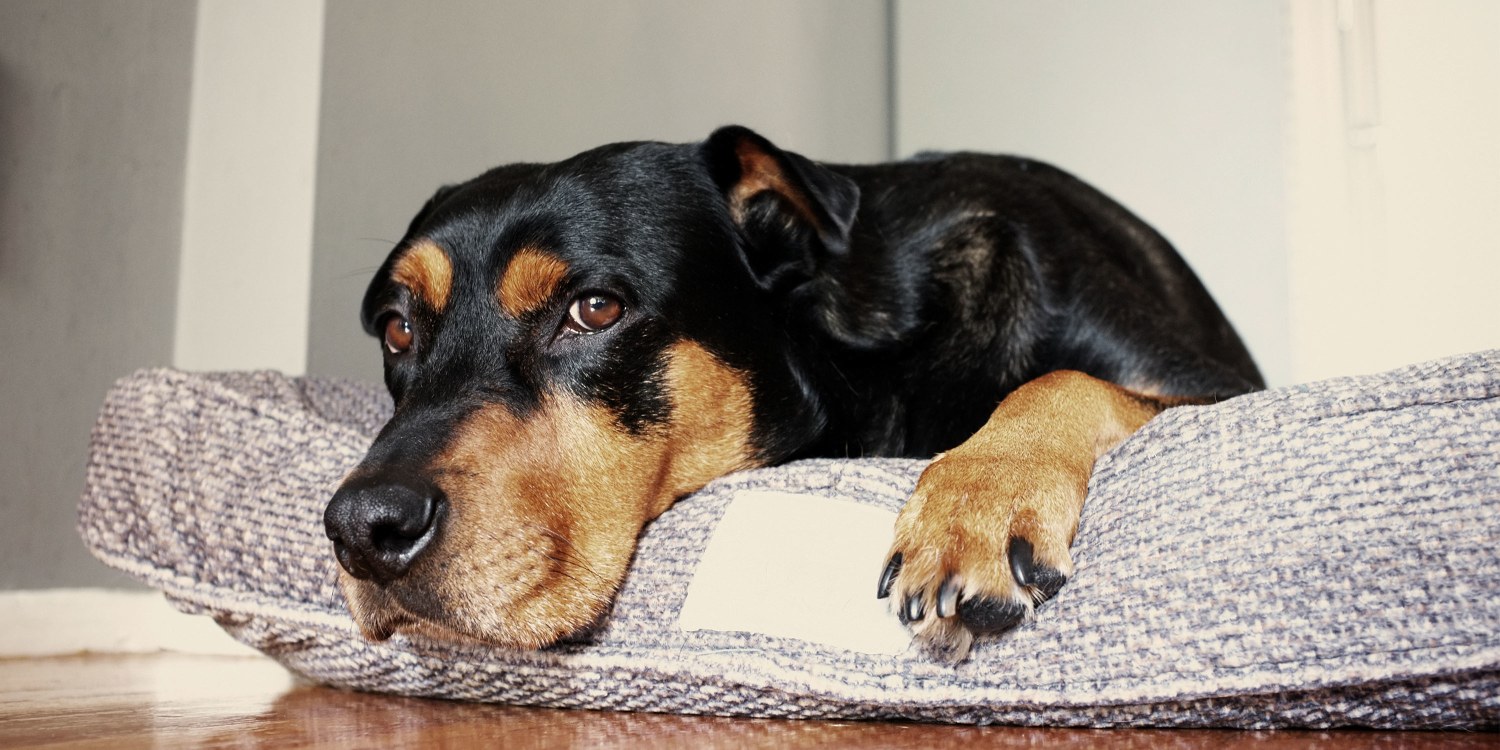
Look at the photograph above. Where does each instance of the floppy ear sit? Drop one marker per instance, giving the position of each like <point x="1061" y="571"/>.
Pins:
<point x="795" y="215"/>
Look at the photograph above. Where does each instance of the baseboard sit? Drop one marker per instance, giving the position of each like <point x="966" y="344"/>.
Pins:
<point x="56" y="622"/>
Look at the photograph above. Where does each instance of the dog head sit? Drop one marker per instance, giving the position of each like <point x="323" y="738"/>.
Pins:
<point x="571" y="347"/>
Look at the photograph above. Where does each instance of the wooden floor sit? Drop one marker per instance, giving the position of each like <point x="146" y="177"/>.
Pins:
<point x="187" y="701"/>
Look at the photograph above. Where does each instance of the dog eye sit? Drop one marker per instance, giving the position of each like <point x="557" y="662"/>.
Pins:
<point x="594" y="312"/>
<point x="397" y="334"/>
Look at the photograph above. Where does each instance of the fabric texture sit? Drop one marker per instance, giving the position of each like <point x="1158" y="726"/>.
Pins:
<point x="1312" y="556"/>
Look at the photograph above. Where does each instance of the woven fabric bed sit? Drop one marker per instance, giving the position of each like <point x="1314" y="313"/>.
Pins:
<point x="1312" y="556"/>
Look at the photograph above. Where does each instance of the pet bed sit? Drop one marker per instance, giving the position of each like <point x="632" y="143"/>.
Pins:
<point x="1310" y="556"/>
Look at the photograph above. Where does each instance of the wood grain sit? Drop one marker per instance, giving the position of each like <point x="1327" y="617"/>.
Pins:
<point x="222" y="702"/>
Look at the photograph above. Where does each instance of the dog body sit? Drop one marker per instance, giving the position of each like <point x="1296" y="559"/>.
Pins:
<point x="574" y="346"/>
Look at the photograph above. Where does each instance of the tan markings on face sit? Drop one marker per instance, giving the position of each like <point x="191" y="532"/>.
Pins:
<point x="530" y="279"/>
<point x="544" y="510"/>
<point x="759" y="173"/>
<point x="426" y="270"/>
<point x="712" y="414"/>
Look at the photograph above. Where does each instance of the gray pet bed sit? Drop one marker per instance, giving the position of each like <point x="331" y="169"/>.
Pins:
<point x="1313" y="556"/>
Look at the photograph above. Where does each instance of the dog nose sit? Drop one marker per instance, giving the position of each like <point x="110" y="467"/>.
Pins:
<point x="379" y="527"/>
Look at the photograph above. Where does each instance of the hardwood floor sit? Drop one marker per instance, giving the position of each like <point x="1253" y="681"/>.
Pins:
<point x="196" y="701"/>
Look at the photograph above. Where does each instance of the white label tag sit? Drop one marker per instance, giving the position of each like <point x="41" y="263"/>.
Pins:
<point x="797" y="566"/>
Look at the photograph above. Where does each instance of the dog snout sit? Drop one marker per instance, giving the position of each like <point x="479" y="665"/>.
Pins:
<point x="380" y="526"/>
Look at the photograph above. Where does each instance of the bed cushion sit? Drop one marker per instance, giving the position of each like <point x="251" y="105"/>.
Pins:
<point x="1311" y="556"/>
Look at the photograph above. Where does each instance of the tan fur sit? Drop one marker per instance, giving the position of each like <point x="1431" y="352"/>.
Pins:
<point x="529" y="281"/>
<point x="544" y="510"/>
<point x="426" y="270"/>
<point x="711" y="420"/>
<point x="1025" y="473"/>
<point x="760" y="172"/>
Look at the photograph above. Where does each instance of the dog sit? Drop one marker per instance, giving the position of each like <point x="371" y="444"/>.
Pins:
<point x="572" y="347"/>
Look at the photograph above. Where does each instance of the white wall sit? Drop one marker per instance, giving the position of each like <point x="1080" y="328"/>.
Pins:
<point x="1174" y="107"/>
<point x="1329" y="167"/>
<point x="242" y="295"/>
<point x="1395" y="181"/>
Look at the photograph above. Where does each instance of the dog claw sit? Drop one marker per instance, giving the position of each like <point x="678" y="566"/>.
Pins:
<point x="914" y="610"/>
<point x="947" y="599"/>
<point x="1021" y="560"/>
<point x="888" y="576"/>
<point x="1042" y="581"/>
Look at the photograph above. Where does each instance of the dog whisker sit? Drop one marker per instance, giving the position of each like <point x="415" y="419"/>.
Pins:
<point x="568" y="551"/>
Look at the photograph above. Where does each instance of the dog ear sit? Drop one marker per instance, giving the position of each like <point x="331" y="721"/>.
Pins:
<point x="794" y="214"/>
<point x="796" y="218"/>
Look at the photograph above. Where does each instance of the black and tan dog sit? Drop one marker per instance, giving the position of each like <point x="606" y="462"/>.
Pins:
<point x="574" y="346"/>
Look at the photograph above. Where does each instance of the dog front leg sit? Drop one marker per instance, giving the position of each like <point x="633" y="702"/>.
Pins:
<point x="985" y="536"/>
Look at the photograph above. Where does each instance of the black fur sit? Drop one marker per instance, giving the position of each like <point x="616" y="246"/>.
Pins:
<point x="877" y="310"/>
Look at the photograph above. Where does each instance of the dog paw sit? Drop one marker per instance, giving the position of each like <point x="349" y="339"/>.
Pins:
<point x="982" y="542"/>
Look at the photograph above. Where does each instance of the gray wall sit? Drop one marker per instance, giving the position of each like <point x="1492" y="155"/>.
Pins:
<point x="93" y="137"/>
<point x="414" y="98"/>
